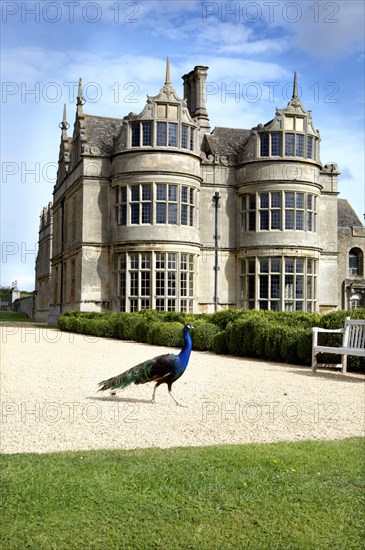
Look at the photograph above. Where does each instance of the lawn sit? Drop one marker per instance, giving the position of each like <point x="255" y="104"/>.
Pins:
<point x="11" y="316"/>
<point x="306" y="495"/>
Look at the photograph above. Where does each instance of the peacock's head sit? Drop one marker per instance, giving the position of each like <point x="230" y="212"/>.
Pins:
<point x="187" y="327"/>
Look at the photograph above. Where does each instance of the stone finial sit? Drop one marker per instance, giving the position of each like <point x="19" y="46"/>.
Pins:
<point x="64" y="125"/>
<point x="295" y="86"/>
<point x="80" y="98"/>
<point x="168" y="77"/>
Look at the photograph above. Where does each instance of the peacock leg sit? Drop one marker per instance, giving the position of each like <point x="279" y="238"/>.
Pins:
<point x="154" y="392"/>
<point x="170" y="393"/>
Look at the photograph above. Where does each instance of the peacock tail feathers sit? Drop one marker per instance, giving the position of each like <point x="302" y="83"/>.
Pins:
<point x="152" y="369"/>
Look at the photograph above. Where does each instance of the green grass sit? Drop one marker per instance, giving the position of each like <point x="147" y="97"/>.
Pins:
<point x="307" y="495"/>
<point x="14" y="316"/>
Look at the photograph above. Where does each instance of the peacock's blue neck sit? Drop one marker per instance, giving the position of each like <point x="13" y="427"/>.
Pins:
<point x="186" y="350"/>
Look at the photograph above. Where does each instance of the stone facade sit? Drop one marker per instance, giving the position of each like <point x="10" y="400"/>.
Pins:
<point x="157" y="211"/>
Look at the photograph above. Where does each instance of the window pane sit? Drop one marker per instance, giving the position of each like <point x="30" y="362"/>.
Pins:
<point x="145" y="283"/>
<point x="299" y="287"/>
<point x="300" y="200"/>
<point x="184" y="136"/>
<point x="289" y="219"/>
<point x="146" y="212"/>
<point x="289" y="200"/>
<point x="275" y="286"/>
<point x="184" y="194"/>
<point x="275" y="219"/>
<point x="289" y="265"/>
<point x="160" y="260"/>
<point x="123" y="214"/>
<point x="147" y="133"/>
<point x="264" y="265"/>
<point x="146" y="192"/>
<point x="135" y="193"/>
<point x="264" y="219"/>
<point x="252" y="221"/>
<point x="192" y="139"/>
<point x="134" y="283"/>
<point x="264" y="286"/>
<point x="146" y="260"/>
<point x="264" y="145"/>
<point x="173" y="193"/>
<point x="171" y="283"/>
<point x="172" y="134"/>
<point x="264" y="200"/>
<point x="275" y="200"/>
<point x="299" y="224"/>
<point x="300" y="145"/>
<point x="134" y="213"/>
<point x="299" y="265"/>
<point x="160" y="283"/>
<point x="310" y="147"/>
<point x="161" y="192"/>
<point x="184" y="214"/>
<point x="289" y="286"/>
<point x="161" y="133"/>
<point x="160" y="212"/>
<point x="289" y="145"/>
<point x="275" y="265"/>
<point x="172" y="210"/>
<point x="135" y="134"/>
<point x="123" y="194"/>
<point x="276" y="144"/>
<point x="171" y="261"/>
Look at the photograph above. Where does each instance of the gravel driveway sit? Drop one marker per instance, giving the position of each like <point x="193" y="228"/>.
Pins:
<point x="49" y="398"/>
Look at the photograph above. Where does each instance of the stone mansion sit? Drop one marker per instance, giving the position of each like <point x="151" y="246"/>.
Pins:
<point x="155" y="210"/>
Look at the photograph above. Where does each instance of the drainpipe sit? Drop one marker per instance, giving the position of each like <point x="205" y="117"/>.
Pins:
<point x="216" y="268"/>
<point x="62" y="250"/>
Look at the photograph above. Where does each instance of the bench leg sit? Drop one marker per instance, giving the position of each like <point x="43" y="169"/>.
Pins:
<point x="344" y="363"/>
<point x="314" y="363"/>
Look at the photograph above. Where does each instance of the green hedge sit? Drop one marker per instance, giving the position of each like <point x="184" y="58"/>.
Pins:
<point x="268" y="335"/>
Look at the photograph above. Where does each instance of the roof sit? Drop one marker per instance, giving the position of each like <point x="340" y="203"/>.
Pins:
<point x="346" y="216"/>
<point x="227" y="141"/>
<point x="101" y="131"/>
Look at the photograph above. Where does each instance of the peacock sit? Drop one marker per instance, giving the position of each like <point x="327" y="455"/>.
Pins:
<point x="163" y="369"/>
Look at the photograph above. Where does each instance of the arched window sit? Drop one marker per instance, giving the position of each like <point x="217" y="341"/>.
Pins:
<point x="355" y="262"/>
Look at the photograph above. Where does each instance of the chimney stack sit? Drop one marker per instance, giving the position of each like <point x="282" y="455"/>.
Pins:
<point x="196" y="96"/>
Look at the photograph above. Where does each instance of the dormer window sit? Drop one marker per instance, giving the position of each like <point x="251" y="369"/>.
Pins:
<point x="295" y="145"/>
<point x="161" y="134"/>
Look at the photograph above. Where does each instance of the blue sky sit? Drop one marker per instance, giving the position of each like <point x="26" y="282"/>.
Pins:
<point x="119" y="48"/>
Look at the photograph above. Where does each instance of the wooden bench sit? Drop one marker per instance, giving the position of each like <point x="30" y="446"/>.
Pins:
<point x="353" y="342"/>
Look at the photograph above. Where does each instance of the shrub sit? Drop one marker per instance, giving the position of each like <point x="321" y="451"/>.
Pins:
<point x="166" y="334"/>
<point x="203" y="335"/>
<point x="141" y="329"/>
<point x="125" y="325"/>
<point x="240" y="335"/>
<point x="219" y="343"/>
<point x="224" y="317"/>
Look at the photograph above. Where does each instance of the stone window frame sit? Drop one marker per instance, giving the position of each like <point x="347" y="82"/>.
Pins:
<point x="182" y="137"/>
<point x="257" y="216"/>
<point x="302" y="142"/>
<point x="161" y="280"/>
<point x="279" y="283"/>
<point x="177" y="206"/>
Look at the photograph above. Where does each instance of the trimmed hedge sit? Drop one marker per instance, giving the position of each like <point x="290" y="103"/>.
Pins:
<point x="268" y="335"/>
